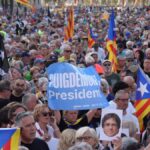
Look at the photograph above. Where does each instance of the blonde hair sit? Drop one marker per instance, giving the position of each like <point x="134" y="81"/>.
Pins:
<point x="38" y="110"/>
<point x="67" y="139"/>
<point x="131" y="126"/>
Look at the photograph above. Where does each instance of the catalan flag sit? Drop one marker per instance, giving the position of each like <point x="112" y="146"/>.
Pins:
<point x="111" y="42"/>
<point x="25" y="3"/>
<point x="91" y="38"/>
<point x="69" y="28"/>
<point x="9" y="138"/>
<point x="142" y="104"/>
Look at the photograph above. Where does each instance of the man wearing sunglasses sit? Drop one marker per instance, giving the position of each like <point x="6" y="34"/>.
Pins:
<point x="66" y="53"/>
<point x="110" y="76"/>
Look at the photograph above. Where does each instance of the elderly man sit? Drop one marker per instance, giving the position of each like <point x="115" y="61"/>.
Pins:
<point x="122" y="101"/>
<point x="147" y="53"/>
<point x="146" y="66"/>
<point x="30" y="100"/>
<point x="26" y="123"/>
<point x="132" y="86"/>
<point x="66" y="53"/>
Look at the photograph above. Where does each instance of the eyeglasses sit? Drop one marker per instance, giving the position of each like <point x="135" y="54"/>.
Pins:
<point x="123" y="99"/>
<point x="86" y="138"/>
<point x="107" y="65"/>
<point x="45" y="114"/>
<point x="130" y="60"/>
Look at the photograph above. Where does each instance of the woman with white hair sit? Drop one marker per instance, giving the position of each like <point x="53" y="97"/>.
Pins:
<point x="88" y="135"/>
<point x="81" y="146"/>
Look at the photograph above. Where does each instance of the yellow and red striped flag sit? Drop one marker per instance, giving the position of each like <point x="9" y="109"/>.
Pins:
<point x="91" y="41"/>
<point x="111" y="43"/>
<point x="142" y="104"/>
<point x="69" y="29"/>
<point x="142" y="109"/>
<point x="9" y="138"/>
<point x="25" y="3"/>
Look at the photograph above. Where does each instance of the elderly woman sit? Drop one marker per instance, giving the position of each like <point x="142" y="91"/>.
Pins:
<point x="89" y="136"/>
<point x="67" y="139"/>
<point x="45" y="123"/>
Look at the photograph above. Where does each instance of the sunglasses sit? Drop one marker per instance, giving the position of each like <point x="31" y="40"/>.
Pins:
<point x="44" y="92"/>
<point x="68" y="51"/>
<point x="130" y="60"/>
<point x="107" y="65"/>
<point x="45" y="114"/>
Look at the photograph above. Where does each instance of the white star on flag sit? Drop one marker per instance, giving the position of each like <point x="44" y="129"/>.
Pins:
<point x="142" y="88"/>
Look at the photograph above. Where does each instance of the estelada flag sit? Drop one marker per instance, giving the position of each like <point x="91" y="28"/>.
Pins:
<point x="9" y="138"/>
<point x="142" y="104"/>
<point x="91" y="41"/>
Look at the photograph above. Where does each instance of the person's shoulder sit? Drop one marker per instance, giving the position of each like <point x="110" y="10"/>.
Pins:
<point x="130" y="116"/>
<point x="40" y="142"/>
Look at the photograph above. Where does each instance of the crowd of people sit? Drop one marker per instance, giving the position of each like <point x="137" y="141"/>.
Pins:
<point x="35" y="40"/>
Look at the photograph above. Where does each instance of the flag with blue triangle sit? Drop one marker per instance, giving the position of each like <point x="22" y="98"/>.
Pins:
<point x="143" y="85"/>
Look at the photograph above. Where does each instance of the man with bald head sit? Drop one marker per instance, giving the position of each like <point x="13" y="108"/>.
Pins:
<point x="147" y="53"/>
<point x="132" y="86"/>
<point x="146" y="66"/>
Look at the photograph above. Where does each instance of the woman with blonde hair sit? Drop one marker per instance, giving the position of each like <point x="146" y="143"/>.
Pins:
<point x="132" y="128"/>
<point x="46" y="126"/>
<point x="67" y="139"/>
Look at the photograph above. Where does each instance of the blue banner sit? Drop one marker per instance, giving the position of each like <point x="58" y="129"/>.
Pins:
<point x="73" y="88"/>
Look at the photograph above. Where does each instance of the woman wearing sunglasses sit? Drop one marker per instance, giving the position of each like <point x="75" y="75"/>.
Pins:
<point x="46" y="126"/>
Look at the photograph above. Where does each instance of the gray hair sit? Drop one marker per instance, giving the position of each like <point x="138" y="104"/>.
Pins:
<point x="81" y="131"/>
<point x="131" y="126"/>
<point x="20" y="116"/>
<point x="126" y="141"/>
<point x="104" y="85"/>
<point x="42" y="80"/>
<point x="119" y="93"/>
<point x="81" y="146"/>
<point x="4" y="85"/>
<point x="26" y="98"/>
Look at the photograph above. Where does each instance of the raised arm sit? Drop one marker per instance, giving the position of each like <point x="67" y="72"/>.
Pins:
<point x="90" y="114"/>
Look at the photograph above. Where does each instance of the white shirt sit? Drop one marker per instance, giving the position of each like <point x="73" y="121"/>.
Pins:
<point x="53" y="141"/>
<point x="39" y="130"/>
<point x="130" y="109"/>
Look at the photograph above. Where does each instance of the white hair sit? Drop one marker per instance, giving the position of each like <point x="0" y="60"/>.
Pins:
<point x="81" y="146"/>
<point x="89" y="59"/>
<point x="90" y="131"/>
<point x="42" y="80"/>
<point x="64" y="46"/>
